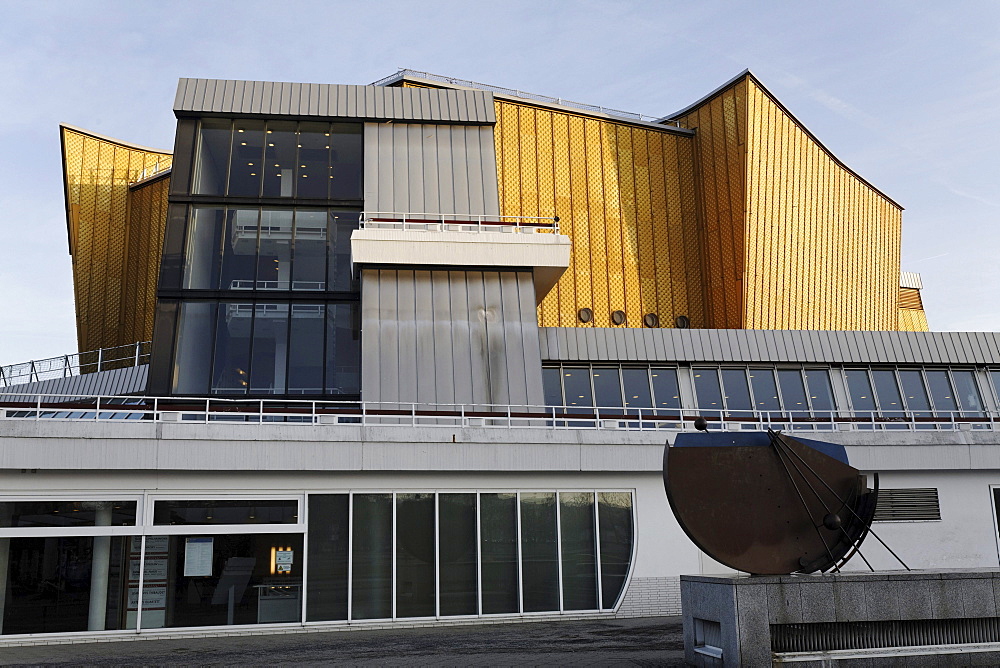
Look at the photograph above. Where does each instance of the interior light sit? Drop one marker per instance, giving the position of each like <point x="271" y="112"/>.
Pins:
<point x="305" y="176"/>
<point x="269" y="132"/>
<point x="276" y="165"/>
<point x="253" y="173"/>
<point x="242" y="143"/>
<point x="239" y="130"/>
<point x="250" y="163"/>
<point x="327" y="135"/>
<point x="303" y="166"/>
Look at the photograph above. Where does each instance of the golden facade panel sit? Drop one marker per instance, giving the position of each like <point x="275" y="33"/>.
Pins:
<point x="97" y="174"/>
<point x="792" y="238"/>
<point x="624" y="195"/>
<point x="912" y="320"/>
<point x="147" y="215"/>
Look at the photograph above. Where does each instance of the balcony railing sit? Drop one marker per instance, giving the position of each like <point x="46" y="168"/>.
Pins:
<point x="456" y="222"/>
<point x="102" y="359"/>
<point x="259" y="411"/>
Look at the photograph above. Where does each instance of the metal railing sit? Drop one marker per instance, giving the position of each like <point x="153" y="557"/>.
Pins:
<point x="456" y="222"/>
<point x="257" y="411"/>
<point x="465" y="83"/>
<point x="76" y="364"/>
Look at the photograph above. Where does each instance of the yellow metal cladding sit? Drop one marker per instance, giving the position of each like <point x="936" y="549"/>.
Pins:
<point x="793" y="239"/>
<point x="720" y="143"/>
<point x="144" y="242"/>
<point x="97" y="172"/>
<point x="624" y="195"/>
<point x="911" y="311"/>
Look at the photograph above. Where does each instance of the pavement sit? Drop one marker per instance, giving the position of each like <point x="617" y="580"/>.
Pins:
<point x="647" y="641"/>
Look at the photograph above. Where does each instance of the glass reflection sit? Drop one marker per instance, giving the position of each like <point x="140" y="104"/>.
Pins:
<point x="274" y="255"/>
<point x="539" y="552"/>
<point x="967" y="391"/>
<point x="371" y="557"/>
<point x="765" y="390"/>
<point x="635" y="383"/>
<point x="498" y="542"/>
<point x="212" y="163"/>
<point x="415" y="555"/>
<point x="666" y="392"/>
<point x="793" y="392"/>
<point x="270" y="349"/>
<point x="231" y="366"/>
<point x="458" y="555"/>
<point x="607" y="387"/>
<point x="203" y="249"/>
<point x="279" y="159"/>
<point x="707" y="391"/>
<point x="305" y="349"/>
<point x="860" y="389"/>
<point x="942" y="393"/>
<point x="820" y="391"/>
<point x="247" y="162"/>
<point x="579" y="550"/>
<point x="576" y="381"/>
<point x="239" y="252"/>
<point x="615" y="519"/>
<point x="328" y="541"/>
<point x="192" y="357"/>
<point x="310" y="250"/>
<point x="737" y="393"/>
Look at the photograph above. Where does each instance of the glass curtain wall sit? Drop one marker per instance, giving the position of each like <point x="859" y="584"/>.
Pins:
<point x="926" y="397"/>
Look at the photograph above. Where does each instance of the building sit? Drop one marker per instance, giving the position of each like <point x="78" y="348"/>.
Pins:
<point x="411" y="352"/>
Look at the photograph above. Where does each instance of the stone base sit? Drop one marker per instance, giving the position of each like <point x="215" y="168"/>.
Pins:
<point x="741" y="620"/>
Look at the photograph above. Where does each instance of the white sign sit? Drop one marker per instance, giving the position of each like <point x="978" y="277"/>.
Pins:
<point x="284" y="557"/>
<point x="156" y="569"/>
<point x="153" y="544"/>
<point x="153" y="598"/>
<point x="198" y="556"/>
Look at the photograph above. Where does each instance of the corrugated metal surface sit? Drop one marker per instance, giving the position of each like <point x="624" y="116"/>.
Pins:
<point x="97" y="173"/>
<point x="720" y="142"/>
<point x="147" y="219"/>
<point x="413" y="167"/>
<point x="625" y="196"/>
<point x="910" y="279"/>
<point x="912" y="320"/>
<point x="449" y="337"/>
<point x="793" y="239"/>
<point x="910" y="298"/>
<point x="266" y="98"/>
<point x="128" y="380"/>
<point x="743" y="345"/>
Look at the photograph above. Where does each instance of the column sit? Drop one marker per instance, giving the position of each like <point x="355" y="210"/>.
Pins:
<point x="99" y="570"/>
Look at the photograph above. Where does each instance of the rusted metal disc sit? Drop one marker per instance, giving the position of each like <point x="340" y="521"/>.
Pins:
<point x="762" y="506"/>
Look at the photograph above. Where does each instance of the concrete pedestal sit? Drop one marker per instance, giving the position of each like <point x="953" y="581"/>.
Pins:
<point x="741" y="620"/>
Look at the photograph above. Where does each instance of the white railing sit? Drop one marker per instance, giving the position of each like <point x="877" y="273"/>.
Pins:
<point x="465" y="83"/>
<point x="75" y="364"/>
<point x="257" y="411"/>
<point x="456" y="222"/>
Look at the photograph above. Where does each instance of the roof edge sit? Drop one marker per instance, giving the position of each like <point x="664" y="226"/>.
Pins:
<point x="113" y="140"/>
<point x="745" y="74"/>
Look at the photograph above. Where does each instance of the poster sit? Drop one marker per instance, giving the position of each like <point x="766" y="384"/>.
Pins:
<point x="198" y="556"/>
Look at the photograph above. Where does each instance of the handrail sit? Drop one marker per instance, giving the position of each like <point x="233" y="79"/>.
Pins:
<point x="456" y="222"/>
<point x="75" y="364"/>
<point x="508" y="416"/>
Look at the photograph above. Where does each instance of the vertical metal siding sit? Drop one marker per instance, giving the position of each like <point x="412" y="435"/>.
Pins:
<point x="706" y="345"/>
<point x="430" y="168"/>
<point x="334" y="101"/>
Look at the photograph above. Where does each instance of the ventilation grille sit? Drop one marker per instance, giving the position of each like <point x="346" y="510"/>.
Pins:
<point x="870" y="635"/>
<point x="918" y="503"/>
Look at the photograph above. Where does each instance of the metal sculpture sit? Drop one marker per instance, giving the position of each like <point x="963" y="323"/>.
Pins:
<point x="768" y="504"/>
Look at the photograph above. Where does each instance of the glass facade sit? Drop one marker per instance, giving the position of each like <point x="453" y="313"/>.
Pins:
<point x="371" y="555"/>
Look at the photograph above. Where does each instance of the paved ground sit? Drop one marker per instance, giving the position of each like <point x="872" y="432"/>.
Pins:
<point x="655" y="641"/>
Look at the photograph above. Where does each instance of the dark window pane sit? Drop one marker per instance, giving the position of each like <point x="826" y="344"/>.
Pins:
<point x="498" y="540"/>
<point x="49" y="583"/>
<point x="279" y="159"/>
<point x="765" y="390"/>
<point x="270" y="349"/>
<point x="615" y="518"/>
<point x="737" y="392"/>
<point x="239" y="252"/>
<point x="941" y="392"/>
<point x="860" y="389"/>
<point x="346" y="161"/>
<point x="666" y="393"/>
<point x="914" y="392"/>
<point x="707" y="391"/>
<point x="607" y="388"/>
<point x="890" y="401"/>
<point x="551" y="377"/>
<point x="328" y="531"/>
<point x="539" y="552"/>
<point x="213" y="157"/>
<point x="339" y="275"/>
<point x="193" y="348"/>
<point x="793" y="393"/>
<point x="249" y="511"/>
<point x="343" y="349"/>
<point x="458" y="556"/>
<point x="371" y="557"/>
<point x="222" y="579"/>
<point x="579" y="550"/>
<point x="636" y="386"/>
<point x="576" y="381"/>
<point x="995" y="377"/>
<point x="231" y="368"/>
<point x="415" y="557"/>
<point x="313" y="168"/>
<point x="203" y="250"/>
<point x="820" y="391"/>
<point x="274" y="260"/>
<point x="246" y="166"/>
<point x="309" y="272"/>
<point x="66" y="513"/>
<point x="968" y="393"/>
<point x="305" y="349"/>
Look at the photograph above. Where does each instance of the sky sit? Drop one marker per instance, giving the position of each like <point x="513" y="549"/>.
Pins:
<point x="907" y="94"/>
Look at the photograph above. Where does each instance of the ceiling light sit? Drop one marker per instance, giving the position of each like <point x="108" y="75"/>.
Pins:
<point x="243" y="143"/>
<point x="239" y="130"/>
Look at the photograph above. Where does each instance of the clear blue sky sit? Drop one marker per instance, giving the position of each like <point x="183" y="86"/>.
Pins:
<point x="905" y="93"/>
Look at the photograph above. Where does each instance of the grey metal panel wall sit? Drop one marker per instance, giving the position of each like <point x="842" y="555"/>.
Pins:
<point x="461" y="337"/>
<point x="114" y="382"/>
<point x="746" y="345"/>
<point x="266" y="98"/>
<point x="430" y="168"/>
